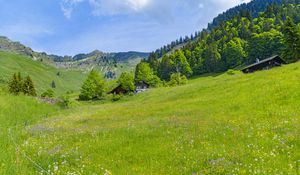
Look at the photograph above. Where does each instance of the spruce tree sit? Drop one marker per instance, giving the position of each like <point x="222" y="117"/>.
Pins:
<point x="28" y="87"/>
<point x="15" y="84"/>
<point x="291" y="40"/>
<point x="53" y="85"/>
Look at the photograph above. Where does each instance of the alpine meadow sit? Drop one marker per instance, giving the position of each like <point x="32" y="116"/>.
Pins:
<point x="223" y="100"/>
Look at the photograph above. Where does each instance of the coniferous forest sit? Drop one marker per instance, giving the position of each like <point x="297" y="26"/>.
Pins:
<point x="236" y="38"/>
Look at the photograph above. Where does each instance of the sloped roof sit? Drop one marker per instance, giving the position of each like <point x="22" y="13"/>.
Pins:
<point x="263" y="61"/>
<point x="142" y="82"/>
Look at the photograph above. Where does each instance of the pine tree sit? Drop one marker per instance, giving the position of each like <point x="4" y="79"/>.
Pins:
<point x="291" y="40"/>
<point x="53" y="85"/>
<point x="28" y="87"/>
<point x="16" y="84"/>
<point x="13" y="85"/>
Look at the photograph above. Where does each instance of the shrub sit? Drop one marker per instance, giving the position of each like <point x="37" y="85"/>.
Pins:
<point x="177" y="80"/>
<point x="231" y="72"/>
<point x="116" y="97"/>
<point x="65" y="101"/>
<point x="49" y="93"/>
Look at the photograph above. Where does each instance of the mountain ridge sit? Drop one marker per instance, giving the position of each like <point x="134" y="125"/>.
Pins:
<point x="111" y="64"/>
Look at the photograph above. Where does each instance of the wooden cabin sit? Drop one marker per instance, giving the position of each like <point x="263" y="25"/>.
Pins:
<point x="118" y="90"/>
<point x="265" y="64"/>
<point x="141" y="86"/>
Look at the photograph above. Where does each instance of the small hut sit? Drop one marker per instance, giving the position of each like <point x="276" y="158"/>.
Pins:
<point x="118" y="90"/>
<point x="141" y="86"/>
<point x="265" y="64"/>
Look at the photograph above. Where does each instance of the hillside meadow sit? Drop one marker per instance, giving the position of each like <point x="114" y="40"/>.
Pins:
<point x="41" y="74"/>
<point x="220" y="124"/>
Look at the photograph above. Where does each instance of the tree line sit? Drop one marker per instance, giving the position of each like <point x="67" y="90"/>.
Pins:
<point x="235" y="43"/>
<point x="95" y="87"/>
<point x="17" y="85"/>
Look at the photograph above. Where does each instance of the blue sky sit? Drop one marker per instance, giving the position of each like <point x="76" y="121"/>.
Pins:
<point x="68" y="27"/>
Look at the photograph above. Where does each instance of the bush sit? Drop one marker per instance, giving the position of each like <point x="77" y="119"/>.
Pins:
<point x="65" y="101"/>
<point x="3" y="80"/>
<point x="3" y="90"/>
<point x="177" y="80"/>
<point x="231" y="72"/>
<point x="116" y="97"/>
<point x="49" y="93"/>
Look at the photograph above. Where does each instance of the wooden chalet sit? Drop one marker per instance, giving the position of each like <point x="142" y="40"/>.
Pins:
<point x="141" y="86"/>
<point x="266" y="64"/>
<point x="119" y="90"/>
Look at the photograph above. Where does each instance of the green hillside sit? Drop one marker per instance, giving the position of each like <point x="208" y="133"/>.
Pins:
<point x="41" y="74"/>
<point x="218" y="124"/>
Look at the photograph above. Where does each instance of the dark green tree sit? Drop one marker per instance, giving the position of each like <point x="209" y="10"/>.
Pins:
<point x="28" y="87"/>
<point x="213" y="62"/>
<point x="15" y="85"/>
<point x="165" y="68"/>
<point x="264" y="45"/>
<point x="291" y="41"/>
<point x="53" y="84"/>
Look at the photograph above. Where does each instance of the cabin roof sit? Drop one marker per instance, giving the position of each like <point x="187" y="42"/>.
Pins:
<point x="117" y="88"/>
<point x="263" y="61"/>
<point x="142" y="82"/>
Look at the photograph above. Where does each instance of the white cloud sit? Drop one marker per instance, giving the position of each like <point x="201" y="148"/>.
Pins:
<point x="138" y="24"/>
<point x="67" y="7"/>
<point x="114" y="7"/>
<point x="155" y="8"/>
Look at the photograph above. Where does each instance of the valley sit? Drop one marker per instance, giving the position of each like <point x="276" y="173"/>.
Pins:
<point x="223" y="100"/>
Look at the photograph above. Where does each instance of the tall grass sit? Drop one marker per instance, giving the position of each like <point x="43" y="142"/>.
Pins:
<point x="225" y="124"/>
<point x="17" y="113"/>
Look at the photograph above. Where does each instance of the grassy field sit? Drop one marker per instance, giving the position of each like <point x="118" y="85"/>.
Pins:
<point x="223" y="124"/>
<point x="42" y="74"/>
<point x="17" y="113"/>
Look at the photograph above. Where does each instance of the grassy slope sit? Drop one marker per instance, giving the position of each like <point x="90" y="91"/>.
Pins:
<point x="15" y="114"/>
<point x="227" y="124"/>
<point x="41" y="74"/>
